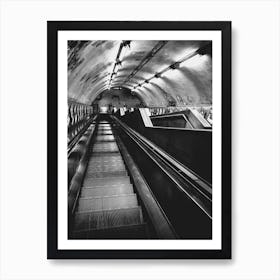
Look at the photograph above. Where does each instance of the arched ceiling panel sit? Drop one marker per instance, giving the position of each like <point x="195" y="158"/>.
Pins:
<point x="157" y="98"/>
<point x="172" y="52"/>
<point x="145" y="96"/>
<point x="91" y="65"/>
<point x="87" y="62"/>
<point x="170" y="99"/>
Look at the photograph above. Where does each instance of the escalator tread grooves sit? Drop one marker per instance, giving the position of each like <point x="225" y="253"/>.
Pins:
<point x="107" y="206"/>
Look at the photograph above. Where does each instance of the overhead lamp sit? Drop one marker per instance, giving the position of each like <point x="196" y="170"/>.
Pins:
<point x="118" y="62"/>
<point x="146" y="81"/>
<point x="174" y="65"/>
<point x="126" y="44"/>
<point x="124" y="47"/>
<point x="139" y="85"/>
<point x="157" y="75"/>
<point x="206" y="49"/>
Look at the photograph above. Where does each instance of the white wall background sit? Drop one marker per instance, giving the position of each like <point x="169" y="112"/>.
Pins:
<point x="256" y="140"/>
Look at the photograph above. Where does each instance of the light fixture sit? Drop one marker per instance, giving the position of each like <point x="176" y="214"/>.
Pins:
<point x="206" y="49"/>
<point x="126" y="44"/>
<point x="118" y="62"/>
<point x="174" y="65"/>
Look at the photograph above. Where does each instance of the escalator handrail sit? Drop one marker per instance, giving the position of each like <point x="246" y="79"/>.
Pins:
<point x="76" y="138"/>
<point x="76" y="181"/>
<point x="157" y="216"/>
<point x="179" y="165"/>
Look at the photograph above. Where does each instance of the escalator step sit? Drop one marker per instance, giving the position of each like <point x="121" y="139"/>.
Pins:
<point x="105" y="147"/>
<point x="109" y="181"/>
<point x="106" y="158"/>
<point x="106" y="174"/>
<point x="99" y="164"/>
<point x="106" y="168"/>
<point x="107" y="164"/>
<point x="105" y="132"/>
<point x="123" y="232"/>
<point x="107" y="202"/>
<point x="104" y="154"/>
<point x="105" y="138"/>
<point x="107" y="191"/>
<point x="108" y="218"/>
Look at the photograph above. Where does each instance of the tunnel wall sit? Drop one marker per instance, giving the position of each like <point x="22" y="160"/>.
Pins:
<point x="193" y="148"/>
<point x="119" y="98"/>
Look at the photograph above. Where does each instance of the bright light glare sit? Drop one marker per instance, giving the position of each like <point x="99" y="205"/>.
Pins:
<point x="103" y="109"/>
<point x="198" y="61"/>
<point x="182" y="55"/>
<point x="166" y="72"/>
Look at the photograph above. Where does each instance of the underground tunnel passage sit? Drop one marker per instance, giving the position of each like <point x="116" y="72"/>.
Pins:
<point x="140" y="139"/>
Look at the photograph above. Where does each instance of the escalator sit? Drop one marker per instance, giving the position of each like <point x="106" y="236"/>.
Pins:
<point x="126" y="187"/>
<point x="184" y="196"/>
<point x="107" y="206"/>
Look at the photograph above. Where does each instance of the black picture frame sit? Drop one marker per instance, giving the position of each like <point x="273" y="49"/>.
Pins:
<point x="52" y="126"/>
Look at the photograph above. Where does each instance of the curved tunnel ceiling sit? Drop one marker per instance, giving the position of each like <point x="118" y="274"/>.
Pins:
<point x="160" y="73"/>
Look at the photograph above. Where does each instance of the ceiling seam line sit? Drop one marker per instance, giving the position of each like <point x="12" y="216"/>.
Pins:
<point x="145" y="60"/>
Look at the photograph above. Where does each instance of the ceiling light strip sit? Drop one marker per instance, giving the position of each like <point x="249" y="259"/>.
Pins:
<point x="117" y="61"/>
<point x="146" y="59"/>
<point x="175" y="65"/>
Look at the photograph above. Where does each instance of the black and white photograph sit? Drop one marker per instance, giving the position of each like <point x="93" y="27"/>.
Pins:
<point x="143" y="116"/>
<point x="140" y="139"/>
